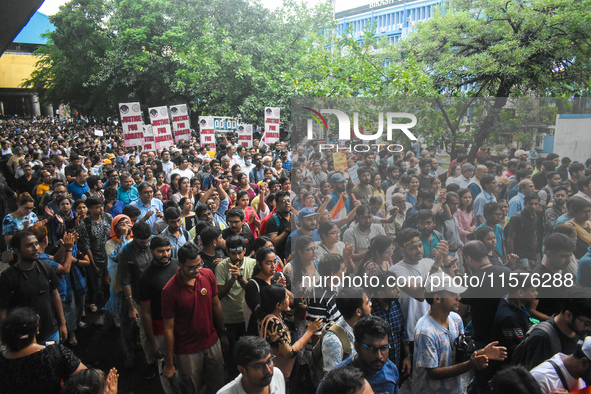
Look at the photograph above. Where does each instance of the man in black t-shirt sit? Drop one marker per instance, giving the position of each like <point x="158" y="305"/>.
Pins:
<point x="33" y="283"/>
<point x="236" y="226"/>
<point x="213" y="244"/>
<point x="522" y="234"/>
<point x="558" y="249"/>
<point x="278" y="225"/>
<point x="569" y="326"/>
<point x="484" y="300"/>
<point x="424" y="177"/>
<point x="159" y="272"/>
<point x="511" y="321"/>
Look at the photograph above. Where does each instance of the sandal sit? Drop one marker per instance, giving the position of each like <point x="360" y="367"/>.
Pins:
<point x="93" y="308"/>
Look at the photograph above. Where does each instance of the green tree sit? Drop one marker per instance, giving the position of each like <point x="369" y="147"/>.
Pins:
<point x="74" y="53"/>
<point x="222" y="57"/>
<point x="503" y="48"/>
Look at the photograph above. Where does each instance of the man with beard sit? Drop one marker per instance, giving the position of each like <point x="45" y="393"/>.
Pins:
<point x="413" y="265"/>
<point x="32" y="282"/>
<point x="371" y="357"/>
<point x="435" y="369"/>
<point x="258" y="172"/>
<point x="385" y="305"/>
<point x="232" y="275"/>
<point x="167" y="164"/>
<point x="134" y="259"/>
<point x="279" y="225"/>
<point x="570" y="373"/>
<point x="363" y="191"/>
<point x="361" y="234"/>
<point x="213" y="244"/>
<point x="558" y="250"/>
<point x="236" y="226"/>
<point x="183" y="169"/>
<point x="256" y="367"/>
<point x="353" y="303"/>
<point x="339" y="186"/>
<point x="151" y="283"/>
<point x="308" y="226"/>
<point x="561" y="332"/>
<point x="194" y="330"/>
<point x="424" y="170"/>
<point x="484" y="301"/>
<point x="546" y="194"/>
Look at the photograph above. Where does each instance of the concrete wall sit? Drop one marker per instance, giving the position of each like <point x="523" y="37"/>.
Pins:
<point x="572" y="136"/>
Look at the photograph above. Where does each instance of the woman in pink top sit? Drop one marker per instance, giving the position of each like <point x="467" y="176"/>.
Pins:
<point x="465" y="214"/>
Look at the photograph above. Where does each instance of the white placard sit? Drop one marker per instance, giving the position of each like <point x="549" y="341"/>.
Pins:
<point x="149" y="145"/>
<point x="180" y="123"/>
<point x="207" y="132"/>
<point x="132" y="124"/>
<point x="245" y="134"/>
<point x="271" y="125"/>
<point x="161" y="127"/>
<point x="98" y="133"/>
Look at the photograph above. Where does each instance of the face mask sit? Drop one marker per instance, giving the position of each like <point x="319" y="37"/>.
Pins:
<point x="248" y="162"/>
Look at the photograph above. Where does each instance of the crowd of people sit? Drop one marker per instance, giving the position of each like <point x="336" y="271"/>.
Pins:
<point x="217" y="263"/>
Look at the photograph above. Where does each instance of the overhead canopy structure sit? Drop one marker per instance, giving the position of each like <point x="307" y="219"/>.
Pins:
<point x="14" y="15"/>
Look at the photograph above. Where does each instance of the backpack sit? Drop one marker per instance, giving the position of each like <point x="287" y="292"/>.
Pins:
<point x="519" y="356"/>
<point x="317" y="358"/>
<point x="510" y="224"/>
<point x="13" y="280"/>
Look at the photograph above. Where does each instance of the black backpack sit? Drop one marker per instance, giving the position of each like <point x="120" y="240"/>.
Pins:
<point x="519" y="356"/>
<point x="13" y="280"/>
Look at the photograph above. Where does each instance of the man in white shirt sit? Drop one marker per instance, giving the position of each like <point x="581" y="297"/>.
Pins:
<point x="256" y="367"/>
<point x="167" y="165"/>
<point x="238" y="158"/>
<point x="569" y="373"/>
<point x="248" y="166"/>
<point x="415" y="269"/>
<point x="183" y="170"/>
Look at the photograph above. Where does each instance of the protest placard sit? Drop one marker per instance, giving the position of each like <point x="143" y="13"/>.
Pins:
<point x="161" y="127"/>
<point x="180" y="123"/>
<point x="271" y="125"/>
<point x="132" y="124"/>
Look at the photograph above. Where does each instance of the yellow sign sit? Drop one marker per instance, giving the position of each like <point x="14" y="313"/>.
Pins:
<point x="340" y="161"/>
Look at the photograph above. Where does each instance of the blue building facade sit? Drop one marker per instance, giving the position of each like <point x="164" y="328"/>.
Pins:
<point x="393" y="19"/>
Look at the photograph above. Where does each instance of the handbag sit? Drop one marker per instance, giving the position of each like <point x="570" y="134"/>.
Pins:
<point x="464" y="346"/>
<point x="284" y="363"/>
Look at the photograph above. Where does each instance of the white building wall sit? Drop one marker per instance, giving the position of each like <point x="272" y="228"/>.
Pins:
<point x="572" y="136"/>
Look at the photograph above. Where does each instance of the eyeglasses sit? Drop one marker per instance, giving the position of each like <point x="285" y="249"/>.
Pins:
<point x="267" y="364"/>
<point x="194" y="268"/>
<point x="373" y="349"/>
<point x="310" y="250"/>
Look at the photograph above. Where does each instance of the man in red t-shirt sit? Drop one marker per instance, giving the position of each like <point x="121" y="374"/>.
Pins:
<point x="193" y="320"/>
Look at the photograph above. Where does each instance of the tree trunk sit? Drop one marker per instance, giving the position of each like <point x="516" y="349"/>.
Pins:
<point x="491" y="118"/>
